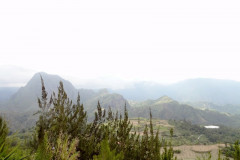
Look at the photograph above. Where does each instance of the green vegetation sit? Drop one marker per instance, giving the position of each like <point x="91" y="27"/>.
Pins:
<point x="106" y="154"/>
<point x="64" y="149"/>
<point x="7" y="151"/>
<point x="167" y="109"/>
<point x="59" y="115"/>
<point x="188" y="133"/>
<point x="62" y="132"/>
<point x="20" y="107"/>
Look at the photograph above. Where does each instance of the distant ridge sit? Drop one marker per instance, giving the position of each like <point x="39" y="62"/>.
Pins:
<point x="168" y="109"/>
<point x="220" y="92"/>
<point x="25" y="99"/>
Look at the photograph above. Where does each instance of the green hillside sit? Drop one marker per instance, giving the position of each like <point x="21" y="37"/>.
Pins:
<point x="166" y="108"/>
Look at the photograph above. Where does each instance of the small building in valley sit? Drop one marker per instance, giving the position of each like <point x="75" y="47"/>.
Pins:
<point x="211" y="127"/>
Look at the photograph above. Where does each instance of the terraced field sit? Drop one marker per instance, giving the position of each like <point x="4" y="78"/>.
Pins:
<point x="190" y="151"/>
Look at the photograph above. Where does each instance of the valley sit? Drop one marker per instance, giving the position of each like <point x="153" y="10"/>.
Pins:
<point x="187" y="120"/>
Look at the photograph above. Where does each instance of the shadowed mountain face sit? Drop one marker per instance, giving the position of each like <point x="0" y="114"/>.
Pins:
<point x="25" y="99"/>
<point x="220" y="92"/>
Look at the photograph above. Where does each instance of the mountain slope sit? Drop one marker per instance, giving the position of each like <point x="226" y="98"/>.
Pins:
<point x="6" y="93"/>
<point x="20" y="107"/>
<point x="106" y="100"/>
<point x="167" y="110"/>
<point x="25" y="99"/>
<point x="228" y="108"/>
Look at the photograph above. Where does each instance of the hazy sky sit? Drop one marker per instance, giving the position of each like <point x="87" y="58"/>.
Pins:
<point x="115" y="42"/>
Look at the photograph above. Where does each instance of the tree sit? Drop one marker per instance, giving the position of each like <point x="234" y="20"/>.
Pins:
<point x="236" y="151"/>
<point x="60" y="115"/>
<point x="62" y="150"/>
<point x="107" y="154"/>
<point x="3" y="130"/>
<point x="5" y="152"/>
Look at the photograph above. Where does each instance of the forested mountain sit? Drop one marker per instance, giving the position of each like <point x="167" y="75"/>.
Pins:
<point x="166" y="108"/>
<point x="219" y="92"/>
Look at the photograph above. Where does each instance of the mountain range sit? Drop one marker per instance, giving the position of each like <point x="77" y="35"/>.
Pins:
<point x="192" y="91"/>
<point x="216" y="91"/>
<point x="169" y="109"/>
<point x="188" y="93"/>
<point x="25" y="99"/>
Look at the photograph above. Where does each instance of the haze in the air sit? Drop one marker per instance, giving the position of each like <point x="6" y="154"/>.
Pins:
<point x="111" y="44"/>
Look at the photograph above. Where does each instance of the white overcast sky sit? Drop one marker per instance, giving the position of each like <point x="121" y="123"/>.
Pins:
<point x="115" y="42"/>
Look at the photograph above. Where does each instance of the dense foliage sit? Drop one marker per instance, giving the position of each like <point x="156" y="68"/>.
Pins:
<point x="8" y="152"/>
<point x="200" y="135"/>
<point x="59" y="115"/>
<point x="107" y="154"/>
<point x="62" y="132"/>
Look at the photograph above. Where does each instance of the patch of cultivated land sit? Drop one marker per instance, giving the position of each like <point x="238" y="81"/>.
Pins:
<point x="140" y="123"/>
<point x="187" y="152"/>
<point x="190" y="152"/>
